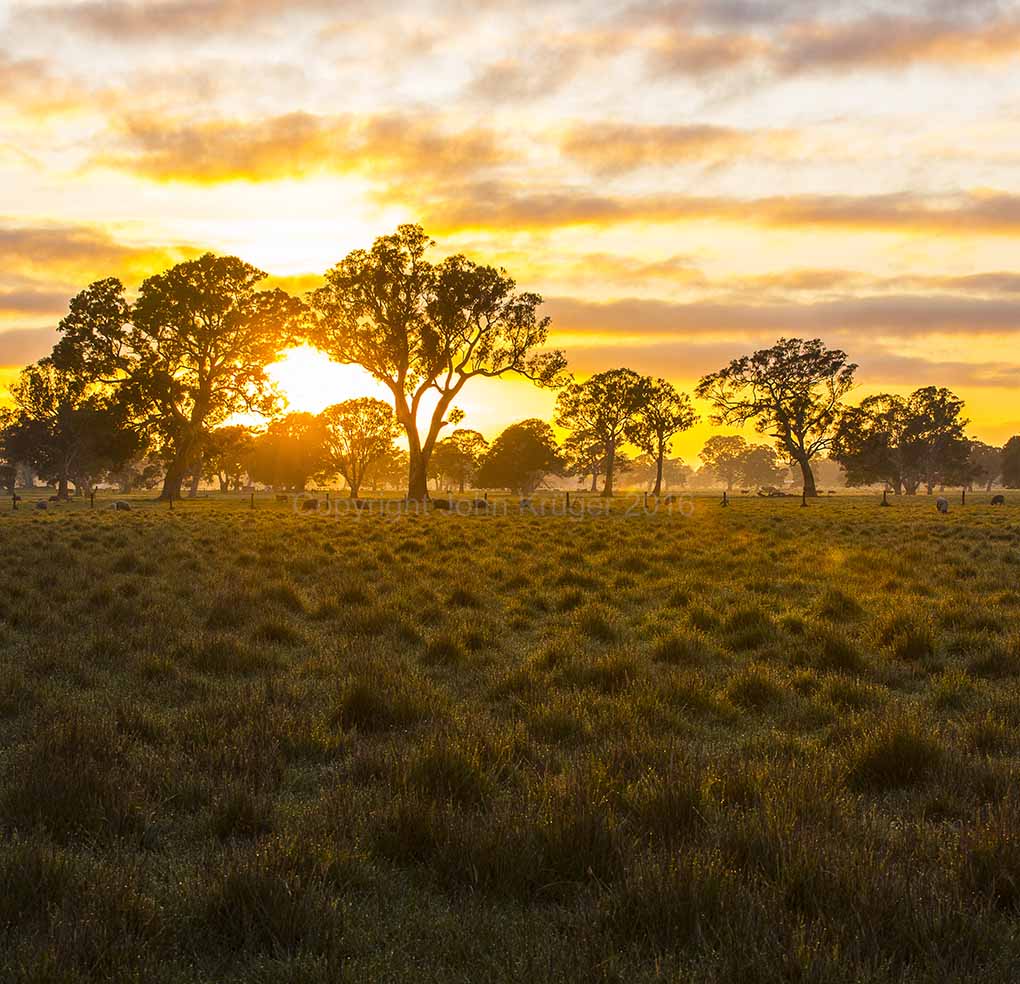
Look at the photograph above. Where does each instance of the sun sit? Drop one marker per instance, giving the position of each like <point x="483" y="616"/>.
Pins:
<point x="310" y="381"/>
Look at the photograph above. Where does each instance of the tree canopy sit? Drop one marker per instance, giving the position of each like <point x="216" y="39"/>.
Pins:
<point x="602" y="410"/>
<point x="191" y="351"/>
<point x="792" y="392"/>
<point x="520" y="458"/>
<point x="425" y="329"/>
<point x="356" y="433"/>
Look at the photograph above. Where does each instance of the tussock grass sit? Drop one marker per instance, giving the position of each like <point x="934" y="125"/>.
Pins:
<point x="755" y="744"/>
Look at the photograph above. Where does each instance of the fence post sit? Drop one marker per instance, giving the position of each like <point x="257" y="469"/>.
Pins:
<point x="92" y="500"/>
<point x="725" y="498"/>
<point x="803" y="497"/>
<point x="253" y="499"/>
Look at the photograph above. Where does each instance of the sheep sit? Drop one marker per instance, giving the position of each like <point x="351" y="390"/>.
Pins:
<point x="942" y="504"/>
<point x="121" y="506"/>
<point x="998" y="500"/>
<point x="42" y="504"/>
<point x="309" y="505"/>
<point x="446" y="504"/>
<point x="480" y="504"/>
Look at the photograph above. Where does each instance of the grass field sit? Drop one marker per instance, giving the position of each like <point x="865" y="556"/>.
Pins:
<point x="751" y="744"/>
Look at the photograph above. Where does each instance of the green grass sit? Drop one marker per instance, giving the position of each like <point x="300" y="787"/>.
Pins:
<point x="764" y="743"/>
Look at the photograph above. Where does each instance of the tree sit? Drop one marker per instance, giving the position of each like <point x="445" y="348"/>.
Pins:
<point x="520" y="458"/>
<point x="389" y="470"/>
<point x="724" y="456"/>
<point x="603" y="408"/>
<point x="937" y="450"/>
<point x="227" y="455"/>
<point x="904" y="441"/>
<point x="1011" y="463"/>
<point x="289" y="452"/>
<point x="664" y="414"/>
<point x="869" y="442"/>
<point x="984" y="463"/>
<point x="792" y="392"/>
<point x="190" y="352"/>
<point x="456" y="458"/>
<point x="583" y="455"/>
<point x="425" y="330"/>
<point x="66" y="427"/>
<point x="356" y="434"/>
<point x="759" y="465"/>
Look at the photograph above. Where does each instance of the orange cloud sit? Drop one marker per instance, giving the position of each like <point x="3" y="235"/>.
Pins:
<point x="617" y="147"/>
<point x="297" y="144"/>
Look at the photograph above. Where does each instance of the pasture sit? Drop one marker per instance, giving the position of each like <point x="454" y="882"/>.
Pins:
<point x="750" y="744"/>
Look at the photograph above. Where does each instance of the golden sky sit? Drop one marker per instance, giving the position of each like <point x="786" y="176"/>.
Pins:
<point x="683" y="181"/>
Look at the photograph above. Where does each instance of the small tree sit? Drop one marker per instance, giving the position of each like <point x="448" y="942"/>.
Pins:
<point x="66" y="427"/>
<point x="227" y="455"/>
<point x="357" y="433"/>
<point x="456" y="457"/>
<point x="425" y="329"/>
<point x="792" y="392"/>
<point x="664" y="414"/>
<point x="291" y="450"/>
<point x="604" y="408"/>
<point x="1011" y="463"/>
<point x="723" y="455"/>
<point x="520" y="458"/>
<point x="760" y="465"/>
<point x="984" y="464"/>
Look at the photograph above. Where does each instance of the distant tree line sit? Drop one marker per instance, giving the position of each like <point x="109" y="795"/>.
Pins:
<point x="142" y="393"/>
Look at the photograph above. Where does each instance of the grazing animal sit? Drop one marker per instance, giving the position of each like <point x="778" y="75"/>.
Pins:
<point x="998" y="500"/>
<point x="942" y="504"/>
<point x="54" y="498"/>
<point x="121" y="506"/>
<point x="281" y="497"/>
<point x="480" y="504"/>
<point x="42" y="504"/>
<point x="309" y="505"/>
<point x="442" y="504"/>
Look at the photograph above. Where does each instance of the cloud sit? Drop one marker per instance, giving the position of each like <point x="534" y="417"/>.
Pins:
<point x="148" y="20"/>
<point x="901" y="316"/>
<point x="72" y="254"/>
<point x="611" y="148"/>
<point x="22" y="346"/>
<point x="884" y="41"/>
<point x="495" y="205"/>
<point x="297" y="144"/>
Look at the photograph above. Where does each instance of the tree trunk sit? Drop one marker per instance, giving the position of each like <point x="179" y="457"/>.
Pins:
<point x="607" y="487"/>
<point x="809" y="477"/>
<point x="62" y="492"/>
<point x="417" y="476"/>
<point x="657" y="491"/>
<point x="173" y="479"/>
<point x="594" y="481"/>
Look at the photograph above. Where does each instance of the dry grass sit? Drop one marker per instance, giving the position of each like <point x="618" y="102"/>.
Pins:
<point x="757" y="744"/>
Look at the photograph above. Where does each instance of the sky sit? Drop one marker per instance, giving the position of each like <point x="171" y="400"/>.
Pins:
<point x="682" y="181"/>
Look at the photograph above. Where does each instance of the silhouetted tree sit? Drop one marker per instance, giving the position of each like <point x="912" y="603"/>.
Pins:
<point x="389" y="471"/>
<point x="904" y="442"/>
<point x="792" y="392"/>
<point x="520" y="458"/>
<point x="66" y="427"/>
<point x="724" y="455"/>
<point x="190" y="352"/>
<point x="291" y="450"/>
<point x="664" y="413"/>
<point x="603" y="408"/>
<point x="984" y="463"/>
<point x="456" y="457"/>
<point x="227" y="455"/>
<point x="1011" y="463"/>
<point x="357" y="433"/>
<point x="425" y="329"/>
